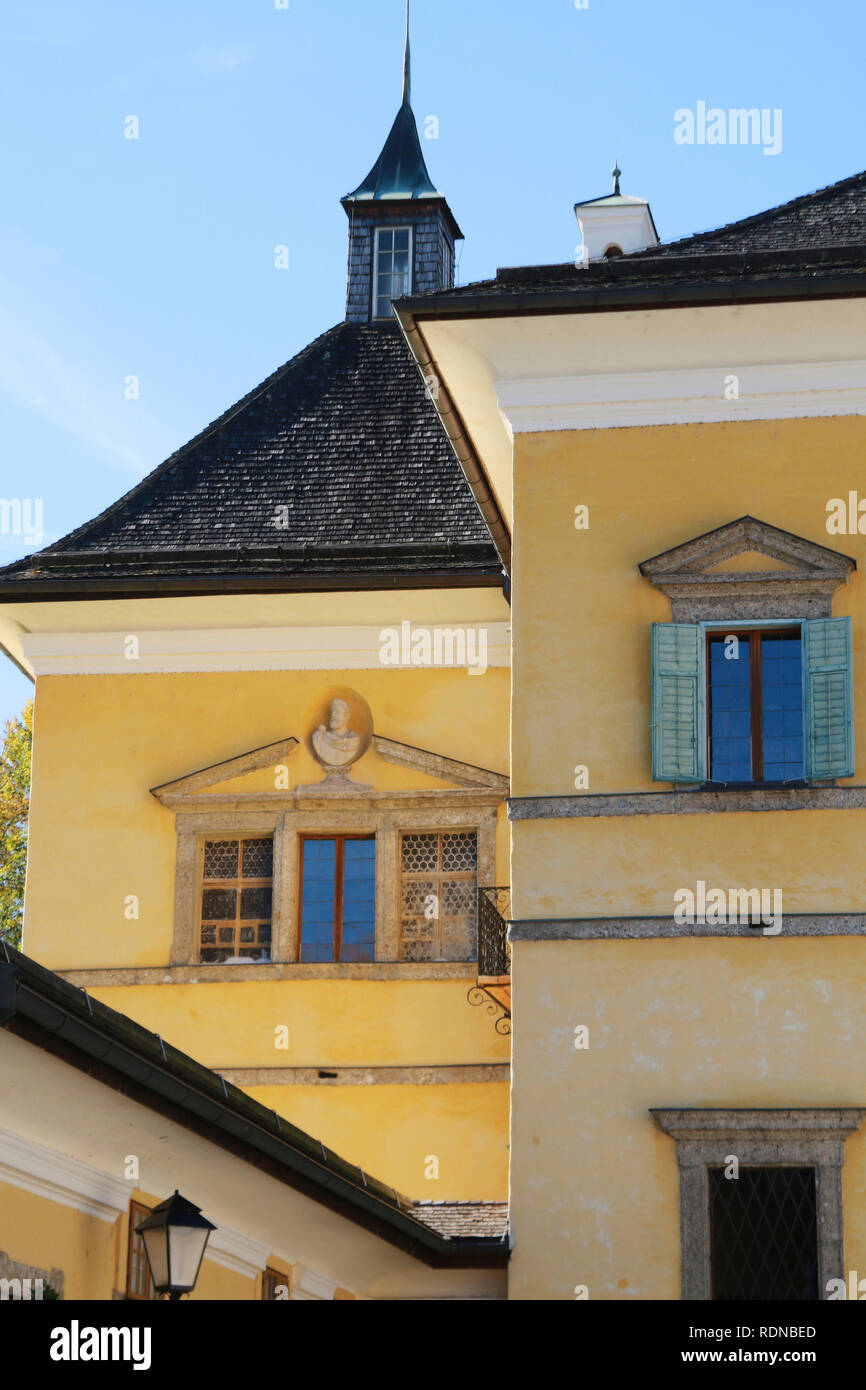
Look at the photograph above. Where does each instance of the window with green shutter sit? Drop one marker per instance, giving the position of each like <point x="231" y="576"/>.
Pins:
<point x="746" y="706"/>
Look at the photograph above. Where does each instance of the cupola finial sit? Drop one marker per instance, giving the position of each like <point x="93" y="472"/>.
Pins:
<point x="407" y="65"/>
<point x="616" y="171"/>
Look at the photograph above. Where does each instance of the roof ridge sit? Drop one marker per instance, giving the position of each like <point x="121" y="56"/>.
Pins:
<point x="755" y="217"/>
<point x="217" y="423"/>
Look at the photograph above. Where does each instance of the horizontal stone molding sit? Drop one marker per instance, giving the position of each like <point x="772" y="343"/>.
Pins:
<point x="635" y="928"/>
<point x="684" y="802"/>
<point x="230" y="806"/>
<point x="719" y="1128"/>
<point x="311" y="648"/>
<point x="463" y="1074"/>
<point x="790" y="390"/>
<point x="106" y="977"/>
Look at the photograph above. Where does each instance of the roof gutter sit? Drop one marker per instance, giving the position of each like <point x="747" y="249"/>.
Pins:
<point x="455" y="430"/>
<point x="34" y="1001"/>
<point x="611" y="296"/>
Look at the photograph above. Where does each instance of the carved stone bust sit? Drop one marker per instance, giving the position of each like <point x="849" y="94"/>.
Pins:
<point x="338" y="745"/>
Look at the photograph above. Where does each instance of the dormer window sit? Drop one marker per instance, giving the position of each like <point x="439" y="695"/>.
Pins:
<point x="393" y="267"/>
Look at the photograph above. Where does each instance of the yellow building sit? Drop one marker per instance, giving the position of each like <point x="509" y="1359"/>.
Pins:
<point x="341" y="687"/>
<point x="671" y="436"/>
<point x="271" y="749"/>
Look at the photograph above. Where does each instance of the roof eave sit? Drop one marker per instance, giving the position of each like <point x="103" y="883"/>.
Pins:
<point x="45" y="1009"/>
<point x="622" y="296"/>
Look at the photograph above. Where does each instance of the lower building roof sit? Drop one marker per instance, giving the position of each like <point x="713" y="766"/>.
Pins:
<point x="51" y="1013"/>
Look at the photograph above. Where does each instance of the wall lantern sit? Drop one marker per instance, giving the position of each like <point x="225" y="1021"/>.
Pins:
<point x="175" y="1235"/>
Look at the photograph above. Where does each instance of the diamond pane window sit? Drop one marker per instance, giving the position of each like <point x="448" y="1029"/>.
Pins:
<point x="437" y="895"/>
<point x="338" y="898"/>
<point x="393" y="277"/>
<point x="236" y="899"/>
<point x="764" y="1234"/>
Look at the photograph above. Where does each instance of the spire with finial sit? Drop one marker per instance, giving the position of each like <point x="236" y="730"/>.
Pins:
<point x="616" y="171"/>
<point x="407" y="65"/>
<point x="401" y="229"/>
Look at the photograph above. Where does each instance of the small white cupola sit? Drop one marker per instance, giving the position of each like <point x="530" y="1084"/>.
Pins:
<point x="616" y="224"/>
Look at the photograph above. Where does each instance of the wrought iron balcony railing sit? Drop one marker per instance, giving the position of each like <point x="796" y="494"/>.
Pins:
<point x="494" y="951"/>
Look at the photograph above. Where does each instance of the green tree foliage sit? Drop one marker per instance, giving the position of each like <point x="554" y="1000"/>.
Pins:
<point x="14" y="809"/>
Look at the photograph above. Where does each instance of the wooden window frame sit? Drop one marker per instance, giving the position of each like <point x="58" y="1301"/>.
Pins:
<point x="237" y="885"/>
<point x="391" y="227"/>
<point x="340" y="837"/>
<point x="279" y="1279"/>
<point x="753" y="636"/>
<point x="137" y="1213"/>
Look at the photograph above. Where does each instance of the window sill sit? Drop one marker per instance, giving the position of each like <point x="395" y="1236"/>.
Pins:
<point x="269" y="971"/>
<point x="689" y="799"/>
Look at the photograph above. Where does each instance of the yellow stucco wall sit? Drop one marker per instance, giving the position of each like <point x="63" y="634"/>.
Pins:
<point x="595" y="1186"/>
<point x="763" y="1021"/>
<point x="395" y="1132"/>
<point x="34" y="1230"/>
<point x="582" y="612"/>
<point x="101" y="742"/>
<point x="97" y="836"/>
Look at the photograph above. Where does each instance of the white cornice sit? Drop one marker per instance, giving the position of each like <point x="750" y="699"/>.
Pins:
<point x="677" y="397"/>
<point x="61" y="1179"/>
<point x="357" y="648"/>
<point x="237" y="1252"/>
<point x="308" y="1285"/>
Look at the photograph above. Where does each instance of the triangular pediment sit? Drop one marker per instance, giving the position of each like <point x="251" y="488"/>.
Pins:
<point x="250" y="776"/>
<point x="748" y="546"/>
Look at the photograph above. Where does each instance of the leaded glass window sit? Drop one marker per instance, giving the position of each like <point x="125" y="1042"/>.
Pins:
<point x="437" y="895"/>
<point x="236" y="899"/>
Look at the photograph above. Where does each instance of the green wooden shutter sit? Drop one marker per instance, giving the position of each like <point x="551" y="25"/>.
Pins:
<point x="677" y="700"/>
<point x="828" y="689"/>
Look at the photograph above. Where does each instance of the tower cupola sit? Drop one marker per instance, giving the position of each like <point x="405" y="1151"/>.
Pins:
<point x="402" y="233"/>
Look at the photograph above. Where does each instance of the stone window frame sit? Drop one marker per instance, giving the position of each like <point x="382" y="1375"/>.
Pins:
<point x="771" y="1138"/>
<point x="747" y="599"/>
<point x="356" y="815"/>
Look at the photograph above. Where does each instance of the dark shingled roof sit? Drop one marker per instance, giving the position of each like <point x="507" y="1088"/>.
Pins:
<point x="820" y="236"/>
<point x="346" y="438"/>
<point x="831" y="216"/>
<point x="461" y="1220"/>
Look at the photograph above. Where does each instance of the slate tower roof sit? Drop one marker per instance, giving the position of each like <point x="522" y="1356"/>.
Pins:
<point x="334" y="473"/>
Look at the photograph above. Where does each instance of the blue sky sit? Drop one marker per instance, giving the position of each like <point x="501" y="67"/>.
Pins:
<point x="155" y="257"/>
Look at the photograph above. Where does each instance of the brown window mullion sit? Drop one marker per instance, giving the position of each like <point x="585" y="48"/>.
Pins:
<point x="338" y="899"/>
<point x="756" y="707"/>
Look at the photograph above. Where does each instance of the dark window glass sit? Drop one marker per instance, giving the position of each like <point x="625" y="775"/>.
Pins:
<point x="764" y="1234"/>
<point x="755" y="685"/>
<point x="338" y="899"/>
<point x="236" y="890"/>
<point x="393" y="277"/>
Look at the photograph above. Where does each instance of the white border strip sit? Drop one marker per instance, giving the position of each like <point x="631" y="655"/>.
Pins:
<point x="627" y="399"/>
<point x="47" y="1173"/>
<point x="237" y="649"/>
